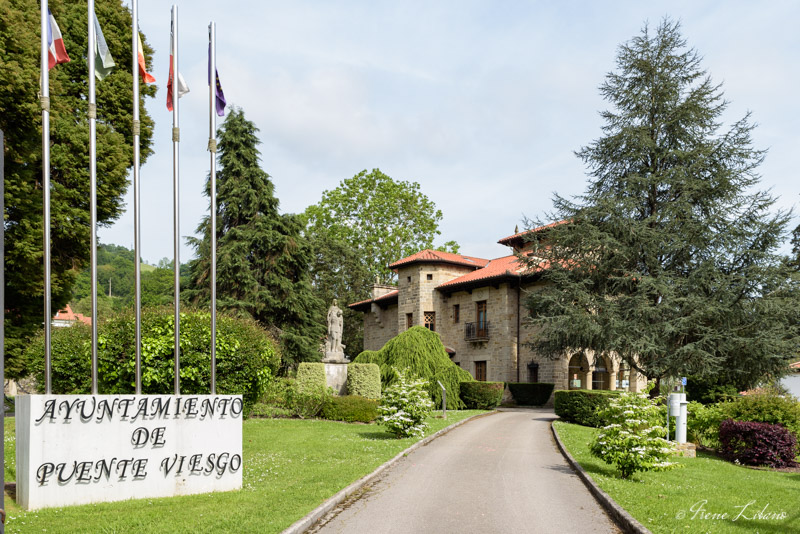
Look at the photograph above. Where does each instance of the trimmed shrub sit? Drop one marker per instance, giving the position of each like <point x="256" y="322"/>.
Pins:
<point x="765" y="408"/>
<point x="581" y="406"/>
<point x="703" y="424"/>
<point x="530" y="393"/>
<point x="350" y="408"/>
<point x="311" y="377"/>
<point x="247" y="356"/>
<point x="481" y="395"/>
<point x="282" y="399"/>
<point x="753" y="443"/>
<point x="404" y="406"/>
<point x="364" y="379"/>
<point x="420" y="352"/>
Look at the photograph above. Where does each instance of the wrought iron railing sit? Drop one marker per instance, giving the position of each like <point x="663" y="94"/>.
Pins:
<point x="476" y="331"/>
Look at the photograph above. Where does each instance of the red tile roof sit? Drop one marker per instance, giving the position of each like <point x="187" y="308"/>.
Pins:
<point x="498" y="268"/>
<point x="518" y="236"/>
<point x="437" y="256"/>
<point x="387" y="296"/>
<point x="68" y="315"/>
<point x="795" y="365"/>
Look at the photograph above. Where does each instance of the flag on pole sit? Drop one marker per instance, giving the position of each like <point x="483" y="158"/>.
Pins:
<point x="55" y="43"/>
<point x="148" y="78"/>
<point x="182" y="87"/>
<point x="103" y="63"/>
<point x="219" y="95"/>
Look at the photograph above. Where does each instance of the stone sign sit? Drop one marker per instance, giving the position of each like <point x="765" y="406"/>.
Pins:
<point x="79" y="449"/>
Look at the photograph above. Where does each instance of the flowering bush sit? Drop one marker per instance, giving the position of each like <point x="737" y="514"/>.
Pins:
<point x="404" y="406"/>
<point x="633" y="440"/>
<point x="753" y="443"/>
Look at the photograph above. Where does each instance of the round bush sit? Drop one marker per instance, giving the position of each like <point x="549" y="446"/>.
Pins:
<point x="753" y="443"/>
<point x="247" y="357"/>
<point x="581" y="406"/>
<point x="482" y="395"/>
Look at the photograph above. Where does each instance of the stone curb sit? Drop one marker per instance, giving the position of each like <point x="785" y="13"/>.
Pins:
<point x="622" y="518"/>
<point x="302" y="525"/>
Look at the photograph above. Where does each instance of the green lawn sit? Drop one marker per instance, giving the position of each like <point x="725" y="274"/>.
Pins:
<point x="290" y="467"/>
<point x="707" y="494"/>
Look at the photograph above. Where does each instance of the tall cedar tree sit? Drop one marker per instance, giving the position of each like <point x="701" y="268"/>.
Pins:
<point x="20" y="119"/>
<point x="262" y="259"/>
<point x="357" y="230"/>
<point x="669" y="259"/>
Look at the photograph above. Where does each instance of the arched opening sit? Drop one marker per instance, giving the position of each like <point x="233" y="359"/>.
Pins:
<point x="623" y="377"/>
<point x="578" y="372"/>
<point x="601" y="376"/>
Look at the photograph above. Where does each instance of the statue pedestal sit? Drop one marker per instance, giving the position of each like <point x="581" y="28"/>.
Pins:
<point x="336" y="377"/>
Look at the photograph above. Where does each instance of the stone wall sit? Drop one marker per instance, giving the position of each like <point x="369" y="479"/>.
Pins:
<point x="379" y="327"/>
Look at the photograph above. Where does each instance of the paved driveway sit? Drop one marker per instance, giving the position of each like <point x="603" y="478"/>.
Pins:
<point x="501" y="473"/>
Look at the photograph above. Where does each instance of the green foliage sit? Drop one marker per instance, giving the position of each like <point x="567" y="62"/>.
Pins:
<point x="20" y="120"/>
<point x="702" y="427"/>
<point x="262" y="258"/>
<point x="710" y="390"/>
<point x="380" y="218"/>
<point x="310" y="377"/>
<point x="530" y="393"/>
<point x="671" y="258"/>
<point x="632" y="440"/>
<point x="364" y="379"/>
<point x="350" y="408"/>
<point x="481" y="395"/>
<point x="582" y="406"/>
<point x="247" y="357"/>
<point x="283" y="398"/>
<point x="404" y="406"/>
<point x="420" y="352"/>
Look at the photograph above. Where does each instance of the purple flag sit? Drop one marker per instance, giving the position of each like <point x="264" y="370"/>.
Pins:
<point x="220" y="96"/>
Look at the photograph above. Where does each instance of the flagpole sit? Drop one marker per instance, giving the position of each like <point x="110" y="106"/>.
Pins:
<point x="137" y="273"/>
<point x="45" y="101"/>
<point x="176" y="137"/>
<point x="93" y="187"/>
<point x="212" y="146"/>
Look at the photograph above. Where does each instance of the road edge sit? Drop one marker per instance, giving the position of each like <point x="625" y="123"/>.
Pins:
<point x="621" y="517"/>
<point x="301" y="525"/>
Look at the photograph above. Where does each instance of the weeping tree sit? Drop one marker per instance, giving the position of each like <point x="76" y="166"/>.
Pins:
<point x="421" y="353"/>
<point x="670" y="258"/>
<point x="262" y="258"/>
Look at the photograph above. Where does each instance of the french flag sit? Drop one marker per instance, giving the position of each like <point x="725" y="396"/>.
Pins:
<point x="57" y="52"/>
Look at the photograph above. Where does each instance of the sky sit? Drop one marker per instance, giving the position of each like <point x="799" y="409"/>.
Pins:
<point x="482" y="103"/>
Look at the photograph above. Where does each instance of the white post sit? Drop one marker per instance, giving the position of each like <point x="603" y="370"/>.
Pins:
<point x="212" y="147"/>
<point x="93" y="186"/>
<point x="176" y="137"/>
<point x="45" y="99"/>
<point x="137" y="273"/>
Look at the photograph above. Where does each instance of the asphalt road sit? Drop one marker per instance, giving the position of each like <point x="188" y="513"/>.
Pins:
<point x="501" y="473"/>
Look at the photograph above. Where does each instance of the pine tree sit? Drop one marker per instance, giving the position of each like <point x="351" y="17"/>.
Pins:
<point x="669" y="259"/>
<point x="262" y="259"/>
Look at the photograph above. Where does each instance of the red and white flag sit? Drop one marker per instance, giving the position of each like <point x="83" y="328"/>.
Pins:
<point x="57" y="52"/>
<point x="183" y="88"/>
<point x="147" y="77"/>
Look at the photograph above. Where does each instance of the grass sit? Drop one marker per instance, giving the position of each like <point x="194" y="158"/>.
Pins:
<point x="706" y="494"/>
<point x="290" y="467"/>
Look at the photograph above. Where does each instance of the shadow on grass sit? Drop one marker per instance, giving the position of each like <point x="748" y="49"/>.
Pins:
<point x="382" y="436"/>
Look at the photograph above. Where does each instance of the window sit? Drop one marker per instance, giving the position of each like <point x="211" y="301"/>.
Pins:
<point x="409" y="279"/>
<point x="430" y="321"/>
<point x="456" y="313"/>
<point x="480" y="371"/>
<point x="430" y="277"/>
<point x="481" y="326"/>
<point x="409" y="320"/>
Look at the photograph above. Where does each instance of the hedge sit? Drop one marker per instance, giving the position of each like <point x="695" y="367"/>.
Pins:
<point x="311" y="377"/>
<point x="350" y="408"/>
<point x="530" y="393"/>
<point x="753" y="443"/>
<point x="247" y="356"/>
<point x="481" y="395"/>
<point x="364" y="379"/>
<point x="581" y="405"/>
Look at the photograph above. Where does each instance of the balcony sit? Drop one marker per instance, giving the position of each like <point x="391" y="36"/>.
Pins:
<point x="476" y="331"/>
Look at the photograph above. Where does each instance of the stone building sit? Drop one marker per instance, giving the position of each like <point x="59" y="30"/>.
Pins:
<point x="476" y="306"/>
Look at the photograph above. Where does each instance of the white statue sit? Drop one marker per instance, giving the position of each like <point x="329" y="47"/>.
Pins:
<point x="334" y="350"/>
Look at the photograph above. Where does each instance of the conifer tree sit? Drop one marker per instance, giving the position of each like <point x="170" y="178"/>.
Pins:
<point x="20" y="119"/>
<point x="262" y="259"/>
<point x="669" y="259"/>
